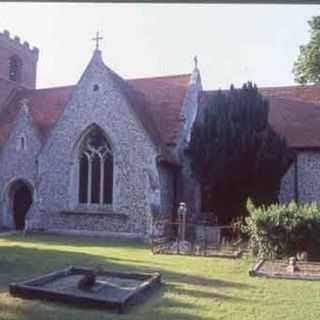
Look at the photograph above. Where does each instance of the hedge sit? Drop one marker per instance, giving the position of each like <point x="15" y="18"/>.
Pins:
<point x="279" y="231"/>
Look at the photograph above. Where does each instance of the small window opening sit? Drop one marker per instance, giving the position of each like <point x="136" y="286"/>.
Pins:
<point x="15" y="66"/>
<point x="95" y="87"/>
<point x="22" y="143"/>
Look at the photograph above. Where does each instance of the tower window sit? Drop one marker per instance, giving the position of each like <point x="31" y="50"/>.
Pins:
<point x="22" y="143"/>
<point x="15" y="67"/>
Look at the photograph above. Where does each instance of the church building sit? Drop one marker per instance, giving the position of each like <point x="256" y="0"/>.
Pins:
<point x="105" y="156"/>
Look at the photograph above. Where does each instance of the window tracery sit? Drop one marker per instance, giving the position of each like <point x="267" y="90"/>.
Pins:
<point x="96" y="169"/>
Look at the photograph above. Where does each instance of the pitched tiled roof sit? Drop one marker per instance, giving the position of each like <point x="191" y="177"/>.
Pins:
<point x="294" y="113"/>
<point x="156" y="101"/>
<point x="7" y="87"/>
<point x="306" y="93"/>
<point x="296" y="120"/>
<point x="164" y="97"/>
<point x="294" y="110"/>
<point x="45" y="107"/>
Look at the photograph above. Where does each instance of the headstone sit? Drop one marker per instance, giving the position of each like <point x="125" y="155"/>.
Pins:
<point x="292" y="266"/>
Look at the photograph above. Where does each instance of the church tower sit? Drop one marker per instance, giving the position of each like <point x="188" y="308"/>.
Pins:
<point x="18" y="62"/>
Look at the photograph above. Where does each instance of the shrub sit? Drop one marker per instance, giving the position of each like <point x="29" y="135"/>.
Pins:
<point x="279" y="231"/>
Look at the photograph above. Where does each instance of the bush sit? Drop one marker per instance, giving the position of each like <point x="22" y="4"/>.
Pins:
<point x="279" y="231"/>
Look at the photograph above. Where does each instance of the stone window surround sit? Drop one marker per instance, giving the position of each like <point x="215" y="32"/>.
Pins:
<point x="81" y="208"/>
<point x="102" y="156"/>
<point x="15" y="68"/>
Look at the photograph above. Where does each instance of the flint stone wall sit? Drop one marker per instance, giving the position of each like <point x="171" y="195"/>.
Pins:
<point x="308" y="176"/>
<point x="133" y="152"/>
<point x="16" y="164"/>
<point x="308" y="179"/>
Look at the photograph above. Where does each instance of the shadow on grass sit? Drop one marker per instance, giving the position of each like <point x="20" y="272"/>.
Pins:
<point x="205" y="294"/>
<point x="20" y="263"/>
<point x="76" y="241"/>
<point x="138" y="264"/>
<point x="35" y="310"/>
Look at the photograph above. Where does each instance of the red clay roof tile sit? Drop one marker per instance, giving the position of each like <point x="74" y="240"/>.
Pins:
<point x="306" y="93"/>
<point x="161" y="103"/>
<point x="294" y="113"/>
<point x="164" y="96"/>
<point x="45" y="107"/>
<point x="294" y="110"/>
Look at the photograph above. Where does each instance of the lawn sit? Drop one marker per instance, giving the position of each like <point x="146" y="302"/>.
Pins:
<point x="195" y="287"/>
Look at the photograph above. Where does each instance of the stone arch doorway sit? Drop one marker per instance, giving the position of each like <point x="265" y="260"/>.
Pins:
<point x="21" y="198"/>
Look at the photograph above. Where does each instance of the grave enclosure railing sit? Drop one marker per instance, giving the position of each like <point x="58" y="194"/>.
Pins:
<point x="201" y="239"/>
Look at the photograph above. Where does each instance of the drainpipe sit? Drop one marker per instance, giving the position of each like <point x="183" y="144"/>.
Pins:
<point x="175" y="188"/>
<point x="296" y="182"/>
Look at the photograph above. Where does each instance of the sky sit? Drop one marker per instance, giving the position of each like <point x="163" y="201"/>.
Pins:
<point x="233" y="43"/>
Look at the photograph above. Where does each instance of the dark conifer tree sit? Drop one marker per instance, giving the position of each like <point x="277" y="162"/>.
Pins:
<point x="235" y="154"/>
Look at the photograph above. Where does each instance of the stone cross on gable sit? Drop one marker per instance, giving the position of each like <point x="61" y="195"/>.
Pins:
<point x="97" y="39"/>
<point x="195" y="59"/>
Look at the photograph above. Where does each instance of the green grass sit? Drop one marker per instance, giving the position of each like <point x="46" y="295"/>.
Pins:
<point x="195" y="287"/>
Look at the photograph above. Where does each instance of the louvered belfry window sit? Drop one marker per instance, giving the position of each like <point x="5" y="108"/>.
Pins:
<point x="15" y="68"/>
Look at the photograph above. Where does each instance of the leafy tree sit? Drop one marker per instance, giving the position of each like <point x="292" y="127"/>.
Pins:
<point x="307" y="66"/>
<point x="235" y="154"/>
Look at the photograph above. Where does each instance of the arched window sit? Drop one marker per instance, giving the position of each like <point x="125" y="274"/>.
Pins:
<point x="15" y="67"/>
<point x="96" y="169"/>
<point x="21" y="143"/>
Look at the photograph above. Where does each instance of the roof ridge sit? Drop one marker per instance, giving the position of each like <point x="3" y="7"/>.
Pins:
<point x="161" y="77"/>
<point x="55" y="87"/>
<point x="131" y="79"/>
<point x="291" y="86"/>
